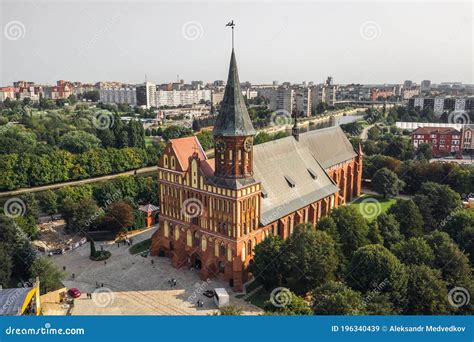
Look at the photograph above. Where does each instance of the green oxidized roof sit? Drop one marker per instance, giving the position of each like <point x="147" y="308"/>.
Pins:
<point x="233" y="118"/>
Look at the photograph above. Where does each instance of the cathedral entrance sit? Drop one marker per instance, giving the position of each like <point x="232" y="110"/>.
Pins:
<point x="196" y="262"/>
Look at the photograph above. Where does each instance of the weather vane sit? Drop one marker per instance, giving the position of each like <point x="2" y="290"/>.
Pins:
<point x="232" y="25"/>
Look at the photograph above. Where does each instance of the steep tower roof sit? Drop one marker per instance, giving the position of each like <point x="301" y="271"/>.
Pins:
<point x="233" y="118"/>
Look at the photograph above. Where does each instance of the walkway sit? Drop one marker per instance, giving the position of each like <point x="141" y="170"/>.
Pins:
<point x="142" y="171"/>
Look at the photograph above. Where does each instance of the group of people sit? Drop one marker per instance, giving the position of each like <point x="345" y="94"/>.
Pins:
<point x="172" y="282"/>
<point x="126" y="241"/>
<point x="200" y="303"/>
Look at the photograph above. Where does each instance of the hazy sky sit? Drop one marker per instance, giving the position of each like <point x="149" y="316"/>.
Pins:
<point x="360" y="42"/>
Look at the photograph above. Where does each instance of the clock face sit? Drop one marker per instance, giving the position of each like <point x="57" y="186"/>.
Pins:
<point x="248" y="144"/>
<point x="220" y="146"/>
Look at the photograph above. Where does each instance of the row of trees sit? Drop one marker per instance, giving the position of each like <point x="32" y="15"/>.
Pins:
<point x="110" y="206"/>
<point x="392" y="265"/>
<point x="414" y="173"/>
<point x="24" y="170"/>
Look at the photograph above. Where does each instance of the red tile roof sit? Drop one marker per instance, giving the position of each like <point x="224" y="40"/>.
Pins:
<point x="186" y="147"/>
<point x="436" y="130"/>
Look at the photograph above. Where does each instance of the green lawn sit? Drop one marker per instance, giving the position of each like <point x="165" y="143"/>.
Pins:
<point x="371" y="206"/>
<point x="149" y="141"/>
<point x="140" y="247"/>
<point x="256" y="294"/>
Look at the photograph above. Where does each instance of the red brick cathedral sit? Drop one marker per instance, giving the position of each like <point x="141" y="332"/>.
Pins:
<point x="215" y="211"/>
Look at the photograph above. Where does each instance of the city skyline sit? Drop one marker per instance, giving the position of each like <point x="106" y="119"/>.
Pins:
<point x="360" y="43"/>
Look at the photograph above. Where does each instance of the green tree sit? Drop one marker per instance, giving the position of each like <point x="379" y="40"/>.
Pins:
<point x="327" y="224"/>
<point x="49" y="275"/>
<point x="136" y="134"/>
<point x="424" y="152"/>
<point x="452" y="262"/>
<point x="267" y="264"/>
<point x="335" y="298"/>
<point x="196" y="125"/>
<point x="352" y="229"/>
<point x="389" y="229"/>
<point x="6" y="266"/>
<point x="49" y="202"/>
<point x="414" y="251"/>
<point x="426" y="292"/>
<point x="119" y="216"/>
<point x="386" y="182"/>
<point x="81" y="216"/>
<point x="206" y="140"/>
<point x="93" y="251"/>
<point x="373" y="266"/>
<point x="374" y="234"/>
<point x="78" y="141"/>
<point x="230" y="310"/>
<point x="437" y="202"/>
<point x="293" y="306"/>
<point x="465" y="240"/>
<point x="408" y="216"/>
<point x="311" y="258"/>
<point x="374" y="133"/>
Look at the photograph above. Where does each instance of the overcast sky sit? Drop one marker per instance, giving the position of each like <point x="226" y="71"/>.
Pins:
<point x="360" y="42"/>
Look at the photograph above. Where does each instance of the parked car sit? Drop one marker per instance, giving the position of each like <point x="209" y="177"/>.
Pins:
<point x="74" y="293"/>
<point x="209" y="293"/>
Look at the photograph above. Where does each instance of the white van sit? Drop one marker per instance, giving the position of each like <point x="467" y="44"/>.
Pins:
<point x="221" y="297"/>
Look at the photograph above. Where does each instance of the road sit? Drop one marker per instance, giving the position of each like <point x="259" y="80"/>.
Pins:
<point x="365" y="132"/>
<point x="142" y="171"/>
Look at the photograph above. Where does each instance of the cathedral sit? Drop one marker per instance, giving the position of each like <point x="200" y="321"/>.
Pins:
<point x="213" y="212"/>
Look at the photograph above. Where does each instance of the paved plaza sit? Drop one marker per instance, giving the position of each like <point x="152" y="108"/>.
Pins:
<point x="133" y="285"/>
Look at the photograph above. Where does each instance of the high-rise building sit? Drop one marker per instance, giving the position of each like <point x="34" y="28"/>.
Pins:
<point x="425" y="85"/>
<point x="146" y="95"/>
<point x="282" y="99"/>
<point x="124" y="94"/>
<point x="176" y="98"/>
<point x="303" y="101"/>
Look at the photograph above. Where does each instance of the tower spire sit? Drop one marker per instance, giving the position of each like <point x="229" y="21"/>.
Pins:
<point x="232" y="25"/>
<point x="233" y="118"/>
<point x="295" y="131"/>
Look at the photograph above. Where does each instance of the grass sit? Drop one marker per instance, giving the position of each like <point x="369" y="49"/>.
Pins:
<point x="371" y="206"/>
<point x="149" y="141"/>
<point x="256" y="294"/>
<point x="140" y="247"/>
